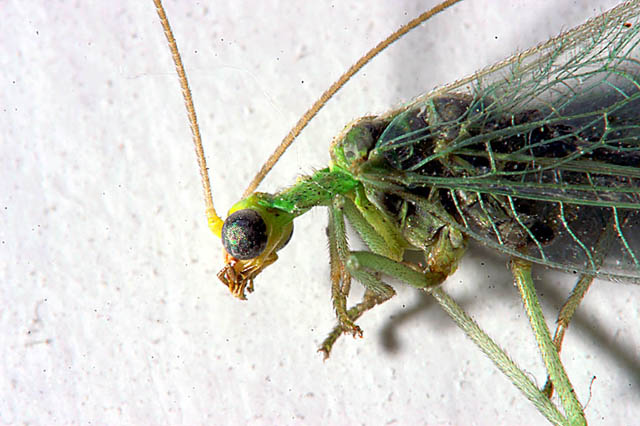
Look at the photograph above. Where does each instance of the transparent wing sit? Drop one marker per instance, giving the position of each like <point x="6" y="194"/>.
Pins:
<point x="538" y="156"/>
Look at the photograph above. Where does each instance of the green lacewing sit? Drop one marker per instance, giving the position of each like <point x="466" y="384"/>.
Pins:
<point x="556" y="124"/>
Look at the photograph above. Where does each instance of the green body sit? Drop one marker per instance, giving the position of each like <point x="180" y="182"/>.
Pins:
<point x="538" y="157"/>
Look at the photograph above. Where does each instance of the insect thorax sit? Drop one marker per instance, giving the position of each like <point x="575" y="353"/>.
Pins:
<point x="435" y="163"/>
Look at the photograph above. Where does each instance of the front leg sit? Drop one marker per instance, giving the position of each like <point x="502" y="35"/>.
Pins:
<point x="369" y="300"/>
<point x="366" y="268"/>
<point x="339" y="255"/>
<point x="340" y="277"/>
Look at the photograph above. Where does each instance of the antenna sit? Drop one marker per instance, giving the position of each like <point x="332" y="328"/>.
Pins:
<point x="215" y="222"/>
<point x="337" y="85"/>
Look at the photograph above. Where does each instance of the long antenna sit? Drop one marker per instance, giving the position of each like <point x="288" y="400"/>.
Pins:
<point x="215" y="222"/>
<point x="304" y="120"/>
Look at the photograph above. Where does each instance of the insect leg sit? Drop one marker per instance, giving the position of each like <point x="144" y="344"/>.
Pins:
<point x="524" y="281"/>
<point x="341" y="277"/>
<point x="564" y="317"/>
<point x="499" y="357"/>
<point x="577" y="294"/>
<point x="442" y="261"/>
<point x="369" y="300"/>
<point x="364" y="266"/>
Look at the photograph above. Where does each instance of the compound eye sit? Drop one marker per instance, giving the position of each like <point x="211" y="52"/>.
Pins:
<point x="244" y="234"/>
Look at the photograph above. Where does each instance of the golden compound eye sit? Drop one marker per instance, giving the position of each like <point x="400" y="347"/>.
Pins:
<point x="244" y="234"/>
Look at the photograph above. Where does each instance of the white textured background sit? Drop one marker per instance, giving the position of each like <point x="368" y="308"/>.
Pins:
<point x="110" y="311"/>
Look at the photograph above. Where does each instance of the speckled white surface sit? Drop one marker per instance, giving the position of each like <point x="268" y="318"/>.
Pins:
<point x="110" y="311"/>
